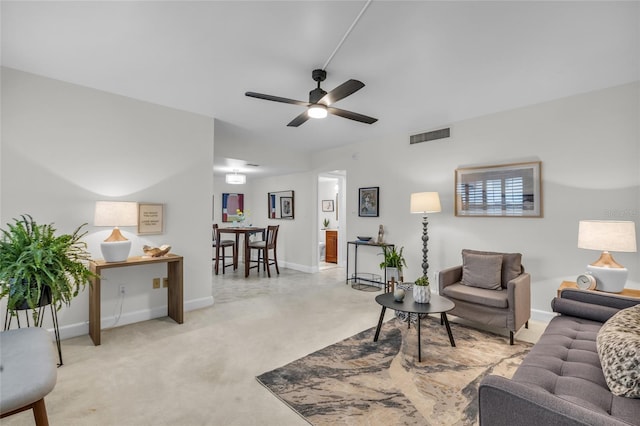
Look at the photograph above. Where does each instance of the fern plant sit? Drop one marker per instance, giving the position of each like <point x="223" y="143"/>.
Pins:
<point x="392" y="258"/>
<point x="33" y="258"/>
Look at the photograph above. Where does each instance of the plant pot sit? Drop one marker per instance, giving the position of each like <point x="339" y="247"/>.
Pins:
<point x="393" y="273"/>
<point x="45" y="299"/>
<point x="422" y="293"/>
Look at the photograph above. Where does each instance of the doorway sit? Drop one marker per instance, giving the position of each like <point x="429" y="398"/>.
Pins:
<point x="331" y="219"/>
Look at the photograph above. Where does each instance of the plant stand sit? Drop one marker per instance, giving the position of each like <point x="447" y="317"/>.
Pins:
<point x="54" y="317"/>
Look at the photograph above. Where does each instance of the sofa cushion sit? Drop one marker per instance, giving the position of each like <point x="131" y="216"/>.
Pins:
<point x="618" y="344"/>
<point x="511" y="264"/>
<point x="480" y="296"/>
<point x="482" y="270"/>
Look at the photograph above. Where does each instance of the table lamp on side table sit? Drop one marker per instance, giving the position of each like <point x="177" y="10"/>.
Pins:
<point x="116" y="247"/>
<point x="607" y="235"/>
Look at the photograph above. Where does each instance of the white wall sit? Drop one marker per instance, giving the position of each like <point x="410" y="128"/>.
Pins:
<point x="589" y="148"/>
<point x="65" y="147"/>
<point x="327" y="191"/>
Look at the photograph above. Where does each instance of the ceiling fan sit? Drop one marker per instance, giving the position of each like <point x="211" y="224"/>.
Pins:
<point x="320" y="101"/>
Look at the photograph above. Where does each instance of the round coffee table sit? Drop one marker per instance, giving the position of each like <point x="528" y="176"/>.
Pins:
<point x="437" y="305"/>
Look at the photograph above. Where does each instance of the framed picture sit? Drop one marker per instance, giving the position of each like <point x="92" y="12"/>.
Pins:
<point x="231" y="203"/>
<point x="368" y="202"/>
<point x="286" y="207"/>
<point x="327" y="205"/>
<point x="281" y="205"/>
<point x="507" y="190"/>
<point x="150" y="218"/>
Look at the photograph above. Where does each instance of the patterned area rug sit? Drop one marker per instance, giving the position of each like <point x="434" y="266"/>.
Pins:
<point x="359" y="382"/>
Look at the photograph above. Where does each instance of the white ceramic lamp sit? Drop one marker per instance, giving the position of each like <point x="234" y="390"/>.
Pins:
<point x="607" y="235"/>
<point x="423" y="203"/>
<point x="116" y="247"/>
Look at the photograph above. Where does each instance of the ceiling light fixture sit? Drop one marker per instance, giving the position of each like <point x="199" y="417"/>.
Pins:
<point x="317" y="111"/>
<point x="235" y="179"/>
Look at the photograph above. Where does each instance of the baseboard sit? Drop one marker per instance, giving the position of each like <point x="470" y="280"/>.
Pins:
<point x="81" y="329"/>
<point x="297" y="267"/>
<point x="542" y="316"/>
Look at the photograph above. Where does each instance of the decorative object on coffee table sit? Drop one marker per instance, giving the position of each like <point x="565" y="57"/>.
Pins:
<point x="423" y="203"/>
<point x="398" y="294"/>
<point x="422" y="290"/>
<point x="607" y="235"/>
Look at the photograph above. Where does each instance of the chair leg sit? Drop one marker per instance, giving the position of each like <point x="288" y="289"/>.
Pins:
<point x="266" y="262"/>
<point x="215" y="259"/>
<point x="224" y="257"/>
<point x="510" y="337"/>
<point x="526" y="324"/>
<point x="40" y="413"/>
<point x="275" y="261"/>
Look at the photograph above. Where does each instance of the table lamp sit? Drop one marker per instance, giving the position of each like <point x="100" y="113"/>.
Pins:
<point x="116" y="247"/>
<point x="423" y="203"/>
<point x="607" y="235"/>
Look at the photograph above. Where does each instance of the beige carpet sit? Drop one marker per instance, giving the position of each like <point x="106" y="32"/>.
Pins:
<point x="359" y="382"/>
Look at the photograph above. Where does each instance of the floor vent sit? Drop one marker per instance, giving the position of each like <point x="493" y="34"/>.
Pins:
<point x="430" y="136"/>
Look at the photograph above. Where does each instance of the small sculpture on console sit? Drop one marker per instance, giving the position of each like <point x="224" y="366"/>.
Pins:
<point x="381" y="235"/>
<point x="156" y="251"/>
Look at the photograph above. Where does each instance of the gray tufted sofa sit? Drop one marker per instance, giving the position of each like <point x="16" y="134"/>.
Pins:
<point x="560" y="382"/>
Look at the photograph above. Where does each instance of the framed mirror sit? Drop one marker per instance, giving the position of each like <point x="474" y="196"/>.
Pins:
<point x="281" y="205"/>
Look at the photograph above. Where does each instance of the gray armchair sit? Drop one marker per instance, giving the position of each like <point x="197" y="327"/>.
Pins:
<point x="489" y="288"/>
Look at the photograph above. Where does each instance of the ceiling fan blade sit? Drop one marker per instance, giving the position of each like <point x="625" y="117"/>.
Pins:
<point x="351" y="115"/>
<point x="275" y="98"/>
<point x="302" y="118"/>
<point x="342" y="91"/>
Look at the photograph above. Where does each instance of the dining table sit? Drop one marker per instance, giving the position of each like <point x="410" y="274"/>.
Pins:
<point x="247" y="231"/>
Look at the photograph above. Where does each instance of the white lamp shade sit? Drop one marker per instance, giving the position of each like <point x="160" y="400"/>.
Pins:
<point x="116" y="213"/>
<point x="425" y="202"/>
<point x="607" y="235"/>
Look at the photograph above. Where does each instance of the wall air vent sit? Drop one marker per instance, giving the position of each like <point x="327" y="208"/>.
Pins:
<point x="430" y="136"/>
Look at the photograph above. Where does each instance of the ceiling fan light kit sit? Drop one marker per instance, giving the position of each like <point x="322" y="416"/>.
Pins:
<point x="320" y="102"/>
<point x="317" y="111"/>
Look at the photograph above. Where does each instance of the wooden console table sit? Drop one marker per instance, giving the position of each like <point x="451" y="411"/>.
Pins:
<point x="628" y="292"/>
<point x="175" y="289"/>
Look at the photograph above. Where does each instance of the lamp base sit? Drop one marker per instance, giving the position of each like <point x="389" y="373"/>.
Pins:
<point x="611" y="280"/>
<point x="115" y="251"/>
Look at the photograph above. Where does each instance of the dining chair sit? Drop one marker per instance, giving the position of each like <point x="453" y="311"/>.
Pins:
<point x="221" y="245"/>
<point x="262" y="247"/>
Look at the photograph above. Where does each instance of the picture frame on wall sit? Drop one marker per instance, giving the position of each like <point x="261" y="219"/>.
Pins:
<point x="505" y="190"/>
<point x="231" y="203"/>
<point x="150" y="218"/>
<point x="327" y="205"/>
<point x="286" y="207"/>
<point x="368" y="201"/>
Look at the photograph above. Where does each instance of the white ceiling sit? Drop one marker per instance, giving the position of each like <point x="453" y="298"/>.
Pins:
<point x="425" y="63"/>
